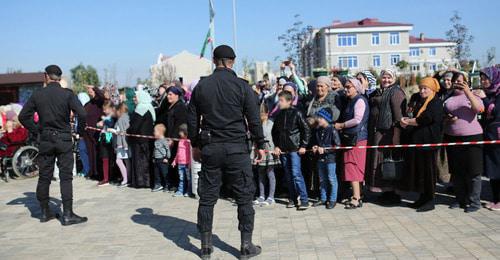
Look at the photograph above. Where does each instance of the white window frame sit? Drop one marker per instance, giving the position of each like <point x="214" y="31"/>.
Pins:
<point x="348" y="60"/>
<point x="414" y="52"/>
<point x="432" y="66"/>
<point x="391" y="61"/>
<point x="347" y="40"/>
<point x="432" y="51"/>
<point x="415" y="67"/>
<point x="379" y="59"/>
<point x="376" y="36"/>
<point x="397" y="36"/>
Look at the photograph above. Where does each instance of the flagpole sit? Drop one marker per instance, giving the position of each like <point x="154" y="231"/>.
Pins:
<point x="212" y="28"/>
<point x="235" y="43"/>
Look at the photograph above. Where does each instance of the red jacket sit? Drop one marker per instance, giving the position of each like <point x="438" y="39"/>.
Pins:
<point x="13" y="141"/>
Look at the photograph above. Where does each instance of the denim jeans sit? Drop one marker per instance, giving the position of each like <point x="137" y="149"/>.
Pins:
<point x="161" y="174"/>
<point x="328" y="181"/>
<point x="293" y="175"/>
<point x="84" y="156"/>
<point x="183" y="179"/>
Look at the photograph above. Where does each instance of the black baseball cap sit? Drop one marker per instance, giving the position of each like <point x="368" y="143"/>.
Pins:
<point x="224" y="52"/>
<point x="53" y="70"/>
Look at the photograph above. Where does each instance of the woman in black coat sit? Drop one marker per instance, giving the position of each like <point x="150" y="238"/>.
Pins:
<point x="141" y="123"/>
<point x="422" y="171"/>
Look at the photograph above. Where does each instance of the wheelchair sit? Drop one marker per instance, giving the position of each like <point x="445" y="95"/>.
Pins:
<point x="21" y="163"/>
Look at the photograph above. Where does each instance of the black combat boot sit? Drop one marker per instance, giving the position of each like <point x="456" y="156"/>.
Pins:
<point x="70" y="218"/>
<point x="248" y="249"/>
<point x="47" y="214"/>
<point x="206" y="245"/>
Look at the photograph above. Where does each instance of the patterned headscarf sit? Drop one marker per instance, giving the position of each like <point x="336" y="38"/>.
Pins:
<point x="372" y="81"/>
<point x="493" y="74"/>
<point x="357" y="85"/>
<point x="390" y="72"/>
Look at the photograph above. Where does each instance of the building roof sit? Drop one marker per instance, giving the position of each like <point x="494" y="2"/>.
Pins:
<point x="21" y="78"/>
<point x="367" y="22"/>
<point x="421" y="39"/>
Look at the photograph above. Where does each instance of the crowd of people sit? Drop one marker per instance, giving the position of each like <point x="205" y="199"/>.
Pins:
<point x="141" y="141"/>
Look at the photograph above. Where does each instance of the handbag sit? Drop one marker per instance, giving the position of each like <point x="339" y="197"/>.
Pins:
<point x="392" y="169"/>
<point x="348" y="139"/>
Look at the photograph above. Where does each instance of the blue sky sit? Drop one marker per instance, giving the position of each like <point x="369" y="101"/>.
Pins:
<point x="129" y="35"/>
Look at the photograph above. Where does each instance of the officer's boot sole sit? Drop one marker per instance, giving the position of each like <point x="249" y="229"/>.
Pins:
<point x="257" y="252"/>
<point x="73" y="222"/>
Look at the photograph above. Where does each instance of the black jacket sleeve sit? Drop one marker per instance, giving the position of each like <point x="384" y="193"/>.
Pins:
<point x="251" y="112"/>
<point x="305" y="132"/>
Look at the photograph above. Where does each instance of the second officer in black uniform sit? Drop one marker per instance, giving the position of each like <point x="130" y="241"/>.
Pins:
<point x="54" y="105"/>
<point x="222" y="108"/>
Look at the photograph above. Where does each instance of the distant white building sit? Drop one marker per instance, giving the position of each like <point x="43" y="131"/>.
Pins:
<point x="185" y="65"/>
<point x="369" y="43"/>
<point x="258" y="69"/>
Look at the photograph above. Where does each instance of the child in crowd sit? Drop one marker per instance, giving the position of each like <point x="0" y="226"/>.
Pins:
<point x="105" y="138"/>
<point x="120" y="141"/>
<point x="266" y="167"/>
<point x="183" y="160"/>
<point x="325" y="135"/>
<point x="291" y="136"/>
<point x="161" y="155"/>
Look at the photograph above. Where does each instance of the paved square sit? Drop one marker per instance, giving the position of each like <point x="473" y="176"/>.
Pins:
<point x="138" y="224"/>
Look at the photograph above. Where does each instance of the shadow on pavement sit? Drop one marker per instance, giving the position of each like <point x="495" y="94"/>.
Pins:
<point x="31" y="203"/>
<point x="178" y="231"/>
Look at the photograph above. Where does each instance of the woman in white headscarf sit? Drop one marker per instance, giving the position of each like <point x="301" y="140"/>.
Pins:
<point x="141" y="123"/>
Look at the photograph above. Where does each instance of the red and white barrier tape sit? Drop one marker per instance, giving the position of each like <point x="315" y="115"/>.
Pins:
<point x="344" y="147"/>
<point x="131" y="135"/>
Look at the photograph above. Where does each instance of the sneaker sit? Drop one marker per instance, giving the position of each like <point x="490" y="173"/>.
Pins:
<point x="489" y="205"/>
<point x="178" y="194"/>
<point x="102" y="183"/>
<point x="471" y="209"/>
<point x="331" y="205"/>
<point x="157" y="188"/>
<point x="259" y="201"/>
<point x="186" y="195"/>
<point x="456" y="205"/>
<point x="319" y="203"/>
<point x="290" y="204"/>
<point x="269" y="201"/>
<point x="166" y="189"/>
<point x="123" y="185"/>
<point x="303" y="205"/>
<point x="495" y="207"/>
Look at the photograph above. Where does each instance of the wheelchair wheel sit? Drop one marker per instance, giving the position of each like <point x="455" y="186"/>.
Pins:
<point x="24" y="162"/>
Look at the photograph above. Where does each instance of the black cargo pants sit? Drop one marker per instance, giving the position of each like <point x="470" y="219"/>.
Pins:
<point x="54" y="144"/>
<point x="233" y="162"/>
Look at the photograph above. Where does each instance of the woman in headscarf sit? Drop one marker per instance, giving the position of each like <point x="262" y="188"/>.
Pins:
<point x="141" y="123"/>
<point x="490" y="81"/>
<point x="421" y="163"/>
<point x="354" y="122"/>
<point x="387" y="107"/>
<point x="94" y="113"/>
<point x="129" y="100"/>
<point x="324" y="97"/>
<point x="368" y="81"/>
<point x="162" y="105"/>
<point x="465" y="162"/>
<point x="177" y="112"/>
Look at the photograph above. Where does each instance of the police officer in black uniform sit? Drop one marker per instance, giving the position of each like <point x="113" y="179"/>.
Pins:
<point x="222" y="108"/>
<point x="54" y="105"/>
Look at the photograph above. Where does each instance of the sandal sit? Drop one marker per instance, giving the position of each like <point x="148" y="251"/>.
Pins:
<point x="347" y="201"/>
<point x="351" y="205"/>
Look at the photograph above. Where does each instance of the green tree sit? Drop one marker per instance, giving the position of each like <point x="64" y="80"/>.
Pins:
<point x="83" y="75"/>
<point x="293" y="40"/>
<point x="459" y="34"/>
